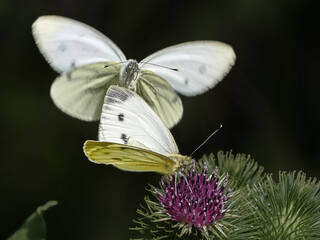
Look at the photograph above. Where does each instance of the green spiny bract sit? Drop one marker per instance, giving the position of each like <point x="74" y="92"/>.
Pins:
<point x="288" y="209"/>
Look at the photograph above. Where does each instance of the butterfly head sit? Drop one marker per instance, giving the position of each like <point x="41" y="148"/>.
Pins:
<point x="181" y="162"/>
<point x="129" y="73"/>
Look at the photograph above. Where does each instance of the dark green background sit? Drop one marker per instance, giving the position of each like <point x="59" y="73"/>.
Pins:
<point x="268" y="104"/>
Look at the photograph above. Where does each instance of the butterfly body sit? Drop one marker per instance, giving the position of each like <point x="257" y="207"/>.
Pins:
<point x="128" y="74"/>
<point x="182" y="161"/>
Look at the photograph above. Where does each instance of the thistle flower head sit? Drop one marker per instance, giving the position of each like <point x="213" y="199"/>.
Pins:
<point x="196" y="203"/>
<point x="194" y="198"/>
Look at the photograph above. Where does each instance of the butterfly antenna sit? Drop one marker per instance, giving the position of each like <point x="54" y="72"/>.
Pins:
<point x="153" y="64"/>
<point x="110" y="65"/>
<point x="206" y="140"/>
<point x="185" y="178"/>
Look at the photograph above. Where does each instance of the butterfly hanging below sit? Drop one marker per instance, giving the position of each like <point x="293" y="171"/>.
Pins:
<point x="132" y="137"/>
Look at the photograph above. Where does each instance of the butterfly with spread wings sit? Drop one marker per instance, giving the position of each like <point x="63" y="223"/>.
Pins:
<point x="89" y="63"/>
<point x="132" y="137"/>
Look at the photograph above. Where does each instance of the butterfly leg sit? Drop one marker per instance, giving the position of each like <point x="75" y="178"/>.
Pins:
<point x="175" y="182"/>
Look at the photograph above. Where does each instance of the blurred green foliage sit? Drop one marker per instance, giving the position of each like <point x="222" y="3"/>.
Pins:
<point x="34" y="228"/>
<point x="268" y="104"/>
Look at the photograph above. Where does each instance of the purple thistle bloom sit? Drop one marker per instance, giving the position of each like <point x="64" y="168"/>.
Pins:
<point x="194" y="199"/>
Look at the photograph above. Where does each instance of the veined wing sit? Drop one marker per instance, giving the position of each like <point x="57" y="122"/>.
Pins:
<point x="80" y="93"/>
<point x="160" y="96"/>
<point x="201" y="65"/>
<point x="67" y="44"/>
<point x="128" y="158"/>
<point x="126" y="115"/>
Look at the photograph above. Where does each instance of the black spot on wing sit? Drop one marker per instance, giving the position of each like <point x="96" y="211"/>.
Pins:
<point x="121" y="117"/>
<point x="124" y="138"/>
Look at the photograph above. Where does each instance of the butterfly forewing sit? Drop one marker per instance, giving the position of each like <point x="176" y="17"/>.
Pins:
<point x="201" y="65"/>
<point x="160" y="96"/>
<point x="125" y="115"/>
<point x="81" y="92"/>
<point x="67" y="43"/>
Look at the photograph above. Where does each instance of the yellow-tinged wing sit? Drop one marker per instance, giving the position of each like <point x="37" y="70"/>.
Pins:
<point x="80" y="93"/>
<point x="160" y="96"/>
<point x="129" y="158"/>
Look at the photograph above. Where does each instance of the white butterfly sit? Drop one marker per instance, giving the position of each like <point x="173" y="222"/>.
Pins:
<point x="132" y="137"/>
<point x="88" y="63"/>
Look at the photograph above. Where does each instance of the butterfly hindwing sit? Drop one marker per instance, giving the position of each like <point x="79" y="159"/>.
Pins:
<point x="201" y="65"/>
<point x="128" y="158"/>
<point x="67" y="44"/>
<point x="160" y="96"/>
<point x="126" y="115"/>
<point x="81" y="92"/>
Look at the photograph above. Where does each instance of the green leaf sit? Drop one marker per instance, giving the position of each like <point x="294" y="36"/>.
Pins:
<point x="34" y="228"/>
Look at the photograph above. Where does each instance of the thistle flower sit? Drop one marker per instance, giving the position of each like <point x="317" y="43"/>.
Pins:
<point x="194" y="199"/>
<point x="196" y="203"/>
